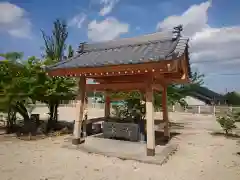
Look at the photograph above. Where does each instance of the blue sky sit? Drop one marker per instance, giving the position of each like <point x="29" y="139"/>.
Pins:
<point x="213" y="28"/>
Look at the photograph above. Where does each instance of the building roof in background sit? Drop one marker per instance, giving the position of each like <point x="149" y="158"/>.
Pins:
<point x="205" y="94"/>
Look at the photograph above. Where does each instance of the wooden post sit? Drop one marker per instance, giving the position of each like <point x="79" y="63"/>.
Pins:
<point x="214" y="110"/>
<point x="165" y="113"/>
<point x="199" y="109"/>
<point x="85" y="116"/>
<point x="150" y="122"/>
<point x="107" y="104"/>
<point x="79" y="111"/>
<point x="142" y="127"/>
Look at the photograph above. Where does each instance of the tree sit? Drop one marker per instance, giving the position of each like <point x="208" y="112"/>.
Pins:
<point x="23" y="84"/>
<point x="232" y="98"/>
<point x="55" y="43"/>
<point x="19" y="87"/>
<point x="70" y="51"/>
<point x="57" y="89"/>
<point x="12" y="56"/>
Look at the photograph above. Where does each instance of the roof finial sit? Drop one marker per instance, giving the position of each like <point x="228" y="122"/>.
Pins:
<point x="81" y="47"/>
<point x="177" y="31"/>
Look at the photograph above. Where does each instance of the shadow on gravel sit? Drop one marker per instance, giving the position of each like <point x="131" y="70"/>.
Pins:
<point x="230" y="135"/>
<point x="61" y="128"/>
<point x="173" y="125"/>
<point x="161" y="140"/>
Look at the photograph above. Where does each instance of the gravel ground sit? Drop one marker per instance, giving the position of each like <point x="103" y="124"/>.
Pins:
<point x="200" y="156"/>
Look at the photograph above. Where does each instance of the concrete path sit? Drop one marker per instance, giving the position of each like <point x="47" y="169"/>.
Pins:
<point x="125" y="150"/>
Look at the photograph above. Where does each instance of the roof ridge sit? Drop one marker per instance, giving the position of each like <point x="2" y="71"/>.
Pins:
<point x="125" y="45"/>
<point x="132" y="41"/>
<point x="160" y="36"/>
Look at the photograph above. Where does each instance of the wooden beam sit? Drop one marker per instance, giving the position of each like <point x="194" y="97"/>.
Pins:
<point x="165" y="113"/>
<point x="116" y="86"/>
<point x="116" y="70"/>
<point x="79" y="111"/>
<point x="117" y="99"/>
<point x="171" y="78"/>
<point x="107" y="104"/>
<point x="123" y="79"/>
<point x="157" y="87"/>
<point x="186" y="63"/>
<point x="85" y="116"/>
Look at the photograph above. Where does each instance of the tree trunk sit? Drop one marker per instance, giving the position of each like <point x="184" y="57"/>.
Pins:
<point x="28" y="127"/>
<point x="50" y="124"/>
<point x="53" y="111"/>
<point x="226" y="132"/>
<point x="55" y="115"/>
<point x="11" y="121"/>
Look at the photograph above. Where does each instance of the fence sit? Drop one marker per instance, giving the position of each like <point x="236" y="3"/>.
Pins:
<point x="194" y="109"/>
<point x="205" y="109"/>
<point x="213" y="110"/>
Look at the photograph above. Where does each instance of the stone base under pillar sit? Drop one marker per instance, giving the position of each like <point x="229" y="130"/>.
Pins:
<point x="150" y="152"/>
<point x="77" y="141"/>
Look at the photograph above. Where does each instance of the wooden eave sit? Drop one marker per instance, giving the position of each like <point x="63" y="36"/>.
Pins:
<point x="132" y="76"/>
<point x="161" y="67"/>
<point x="167" y="66"/>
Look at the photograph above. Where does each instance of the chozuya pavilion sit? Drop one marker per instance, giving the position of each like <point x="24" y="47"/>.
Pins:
<point x="146" y="63"/>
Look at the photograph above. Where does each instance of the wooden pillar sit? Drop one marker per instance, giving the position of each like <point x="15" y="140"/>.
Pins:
<point x="107" y="104"/>
<point x="150" y="122"/>
<point x="79" y="111"/>
<point x="85" y="116"/>
<point x="165" y="113"/>
<point x="214" y="110"/>
<point x="199" y="109"/>
<point x="142" y="127"/>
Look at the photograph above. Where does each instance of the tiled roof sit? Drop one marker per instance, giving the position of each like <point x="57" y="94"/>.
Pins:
<point x="149" y="48"/>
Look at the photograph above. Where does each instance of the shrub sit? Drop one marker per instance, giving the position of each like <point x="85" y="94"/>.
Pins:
<point x="227" y="123"/>
<point x="236" y="116"/>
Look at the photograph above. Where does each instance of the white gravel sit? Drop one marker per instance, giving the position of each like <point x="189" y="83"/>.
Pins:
<point x="201" y="156"/>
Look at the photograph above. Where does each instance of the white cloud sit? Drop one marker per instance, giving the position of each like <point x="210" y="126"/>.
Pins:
<point x="193" y="19"/>
<point x="108" y="29"/>
<point x="78" y="20"/>
<point x="138" y="28"/>
<point x="207" y="43"/>
<point x="219" y="44"/>
<point x="14" y="21"/>
<point x="108" y="6"/>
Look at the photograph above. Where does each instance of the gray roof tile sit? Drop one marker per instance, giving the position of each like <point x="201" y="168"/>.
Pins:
<point x="154" y="47"/>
